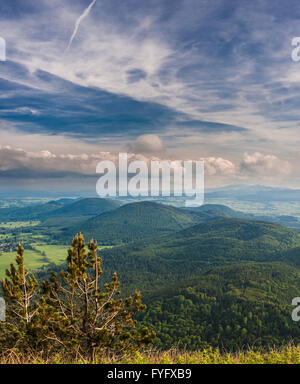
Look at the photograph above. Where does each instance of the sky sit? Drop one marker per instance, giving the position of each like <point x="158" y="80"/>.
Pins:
<point x="167" y="79"/>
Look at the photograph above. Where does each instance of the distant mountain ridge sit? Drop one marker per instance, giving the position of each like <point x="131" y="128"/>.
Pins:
<point x="59" y="208"/>
<point x="257" y="193"/>
<point x="83" y="207"/>
<point x="33" y="212"/>
<point x="215" y="209"/>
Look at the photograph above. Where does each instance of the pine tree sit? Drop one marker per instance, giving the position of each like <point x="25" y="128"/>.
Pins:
<point x="73" y="313"/>
<point x="20" y="293"/>
<point x="89" y="317"/>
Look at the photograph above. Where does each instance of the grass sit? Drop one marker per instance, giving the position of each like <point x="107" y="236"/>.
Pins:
<point x="56" y="254"/>
<point x="34" y="260"/>
<point x="285" y="355"/>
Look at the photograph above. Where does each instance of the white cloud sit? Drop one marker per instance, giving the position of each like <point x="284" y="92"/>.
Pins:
<point x="257" y="164"/>
<point x="218" y="170"/>
<point x="146" y="144"/>
<point x="19" y="159"/>
<point x="219" y="166"/>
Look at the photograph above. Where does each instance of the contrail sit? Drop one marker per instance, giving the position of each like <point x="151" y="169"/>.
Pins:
<point x="79" y="20"/>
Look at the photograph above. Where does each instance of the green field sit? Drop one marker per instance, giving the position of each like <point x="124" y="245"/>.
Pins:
<point x="44" y="254"/>
<point x="33" y="260"/>
<point x="56" y="254"/>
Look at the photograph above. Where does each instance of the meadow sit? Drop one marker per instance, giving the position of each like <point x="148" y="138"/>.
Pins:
<point x="40" y="256"/>
<point x="55" y="254"/>
<point x="34" y="261"/>
<point x="38" y="253"/>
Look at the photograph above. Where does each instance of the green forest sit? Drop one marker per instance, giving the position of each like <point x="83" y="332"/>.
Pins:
<point x="208" y="278"/>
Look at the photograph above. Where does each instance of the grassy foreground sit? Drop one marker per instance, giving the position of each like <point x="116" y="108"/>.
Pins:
<point x="285" y="355"/>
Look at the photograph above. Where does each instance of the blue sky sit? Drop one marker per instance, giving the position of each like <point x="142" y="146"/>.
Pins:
<point x="205" y="79"/>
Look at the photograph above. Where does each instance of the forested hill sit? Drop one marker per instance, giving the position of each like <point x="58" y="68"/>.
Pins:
<point x="229" y="307"/>
<point x="221" y="210"/>
<point x="194" y="250"/>
<point x="136" y="221"/>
